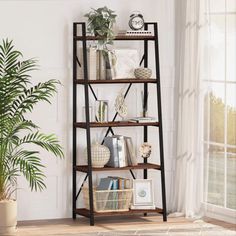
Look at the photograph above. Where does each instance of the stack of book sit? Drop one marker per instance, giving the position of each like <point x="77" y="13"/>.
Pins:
<point x="99" y="63"/>
<point x="122" y="151"/>
<point x="112" y="200"/>
<point x="142" y="119"/>
<point x="108" y="65"/>
<point x="134" y="33"/>
<point x="114" y="183"/>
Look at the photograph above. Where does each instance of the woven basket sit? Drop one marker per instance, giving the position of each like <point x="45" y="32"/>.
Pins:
<point x="109" y="200"/>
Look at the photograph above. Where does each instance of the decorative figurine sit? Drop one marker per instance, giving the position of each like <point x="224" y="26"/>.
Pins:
<point x="120" y="106"/>
<point x="145" y="150"/>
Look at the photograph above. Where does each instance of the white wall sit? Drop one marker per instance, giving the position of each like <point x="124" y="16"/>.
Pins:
<point x="43" y="29"/>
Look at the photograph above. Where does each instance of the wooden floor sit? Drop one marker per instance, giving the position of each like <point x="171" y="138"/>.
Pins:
<point x="81" y="225"/>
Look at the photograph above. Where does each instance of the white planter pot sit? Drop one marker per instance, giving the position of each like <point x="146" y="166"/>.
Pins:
<point x="8" y="217"/>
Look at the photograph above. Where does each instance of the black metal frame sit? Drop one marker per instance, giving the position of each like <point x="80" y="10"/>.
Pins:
<point x="88" y="86"/>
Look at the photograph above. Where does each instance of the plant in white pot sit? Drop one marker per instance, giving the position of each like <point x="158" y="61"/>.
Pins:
<point x="17" y="98"/>
<point x="100" y="24"/>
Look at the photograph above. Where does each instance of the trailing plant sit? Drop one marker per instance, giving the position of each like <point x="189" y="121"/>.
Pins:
<point x="17" y="98"/>
<point x="100" y="23"/>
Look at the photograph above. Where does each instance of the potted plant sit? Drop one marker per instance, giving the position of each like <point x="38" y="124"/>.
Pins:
<point x="100" y="24"/>
<point x="17" y="98"/>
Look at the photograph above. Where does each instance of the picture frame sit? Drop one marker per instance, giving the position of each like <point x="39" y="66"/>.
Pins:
<point x="143" y="194"/>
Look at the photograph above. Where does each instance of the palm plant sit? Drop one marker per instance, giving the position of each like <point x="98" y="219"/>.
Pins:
<point x="17" y="98"/>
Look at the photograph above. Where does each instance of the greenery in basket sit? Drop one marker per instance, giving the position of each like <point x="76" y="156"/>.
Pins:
<point x="100" y="23"/>
<point x="18" y="134"/>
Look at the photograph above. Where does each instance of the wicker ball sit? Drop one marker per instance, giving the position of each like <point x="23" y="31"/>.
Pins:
<point x="100" y="155"/>
<point x="142" y="73"/>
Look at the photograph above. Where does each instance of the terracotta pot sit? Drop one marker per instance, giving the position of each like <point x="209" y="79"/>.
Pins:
<point x="8" y="217"/>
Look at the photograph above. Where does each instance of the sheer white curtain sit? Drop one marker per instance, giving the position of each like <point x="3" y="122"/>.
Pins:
<point x="188" y="178"/>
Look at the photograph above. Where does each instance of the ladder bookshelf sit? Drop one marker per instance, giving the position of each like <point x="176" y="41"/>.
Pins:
<point x="88" y="169"/>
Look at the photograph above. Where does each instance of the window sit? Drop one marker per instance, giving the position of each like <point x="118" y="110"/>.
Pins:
<point x="220" y="105"/>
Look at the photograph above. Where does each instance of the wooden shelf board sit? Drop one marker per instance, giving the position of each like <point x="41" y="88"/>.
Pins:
<point x="116" y="81"/>
<point x="114" y="124"/>
<point x="140" y="166"/>
<point x="86" y="213"/>
<point x="118" y="37"/>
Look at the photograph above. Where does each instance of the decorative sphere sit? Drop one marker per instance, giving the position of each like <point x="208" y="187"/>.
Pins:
<point x="100" y="155"/>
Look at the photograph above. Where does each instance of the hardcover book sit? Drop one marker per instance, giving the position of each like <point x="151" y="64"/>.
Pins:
<point x="92" y="63"/>
<point x="105" y="184"/>
<point x="111" y="143"/>
<point x="121" y="150"/>
<point x="131" y="157"/>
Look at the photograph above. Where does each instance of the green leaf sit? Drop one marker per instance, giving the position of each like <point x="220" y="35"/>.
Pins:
<point x="17" y="98"/>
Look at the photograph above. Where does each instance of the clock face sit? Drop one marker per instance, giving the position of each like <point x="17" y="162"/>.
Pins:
<point x="136" y="23"/>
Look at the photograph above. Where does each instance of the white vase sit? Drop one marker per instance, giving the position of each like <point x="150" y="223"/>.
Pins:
<point x="8" y="217"/>
<point x="100" y="155"/>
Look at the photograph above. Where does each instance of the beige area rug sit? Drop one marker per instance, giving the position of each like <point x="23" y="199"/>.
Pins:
<point x="196" y="229"/>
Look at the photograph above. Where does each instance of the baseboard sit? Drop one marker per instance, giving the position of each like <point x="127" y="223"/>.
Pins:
<point x="220" y="213"/>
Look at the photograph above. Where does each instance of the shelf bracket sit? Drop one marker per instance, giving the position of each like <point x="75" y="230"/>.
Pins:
<point x="77" y="60"/>
<point x="81" y="187"/>
<point x="142" y="60"/>
<point x="94" y="94"/>
<point x="132" y="173"/>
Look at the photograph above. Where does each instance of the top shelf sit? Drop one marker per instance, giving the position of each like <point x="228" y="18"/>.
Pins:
<point x="116" y="81"/>
<point x="118" y="37"/>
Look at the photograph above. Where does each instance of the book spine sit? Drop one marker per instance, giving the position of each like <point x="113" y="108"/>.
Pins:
<point x="92" y="64"/>
<point x="121" y="183"/>
<point x="115" y="197"/>
<point x="121" y="150"/>
<point x="111" y="143"/>
<point x="132" y="152"/>
<point x="127" y="184"/>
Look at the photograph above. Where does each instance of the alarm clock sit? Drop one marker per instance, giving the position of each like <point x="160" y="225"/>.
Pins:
<point x="136" y="21"/>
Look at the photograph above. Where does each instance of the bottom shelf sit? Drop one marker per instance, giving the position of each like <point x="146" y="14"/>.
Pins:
<point x="86" y="213"/>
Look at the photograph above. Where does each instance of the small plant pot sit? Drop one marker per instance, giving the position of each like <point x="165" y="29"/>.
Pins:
<point x="8" y="217"/>
<point x="143" y="73"/>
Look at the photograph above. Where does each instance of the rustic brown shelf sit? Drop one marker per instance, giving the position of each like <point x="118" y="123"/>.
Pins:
<point x="118" y="37"/>
<point x="140" y="166"/>
<point x="116" y="81"/>
<point x="86" y="213"/>
<point x="80" y="34"/>
<point x="114" y="124"/>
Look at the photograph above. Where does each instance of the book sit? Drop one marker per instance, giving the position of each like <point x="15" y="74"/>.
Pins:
<point x="121" y="150"/>
<point x="132" y="158"/>
<point x="115" y="183"/>
<point x="128" y="184"/>
<point x="111" y="143"/>
<point x="100" y="65"/>
<point x="142" y="119"/>
<point x="105" y="184"/>
<point x="138" y="33"/>
<point x="114" y="196"/>
<point x="121" y="183"/>
<point x="134" y="32"/>
<point x="151" y="207"/>
<point x="92" y="63"/>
